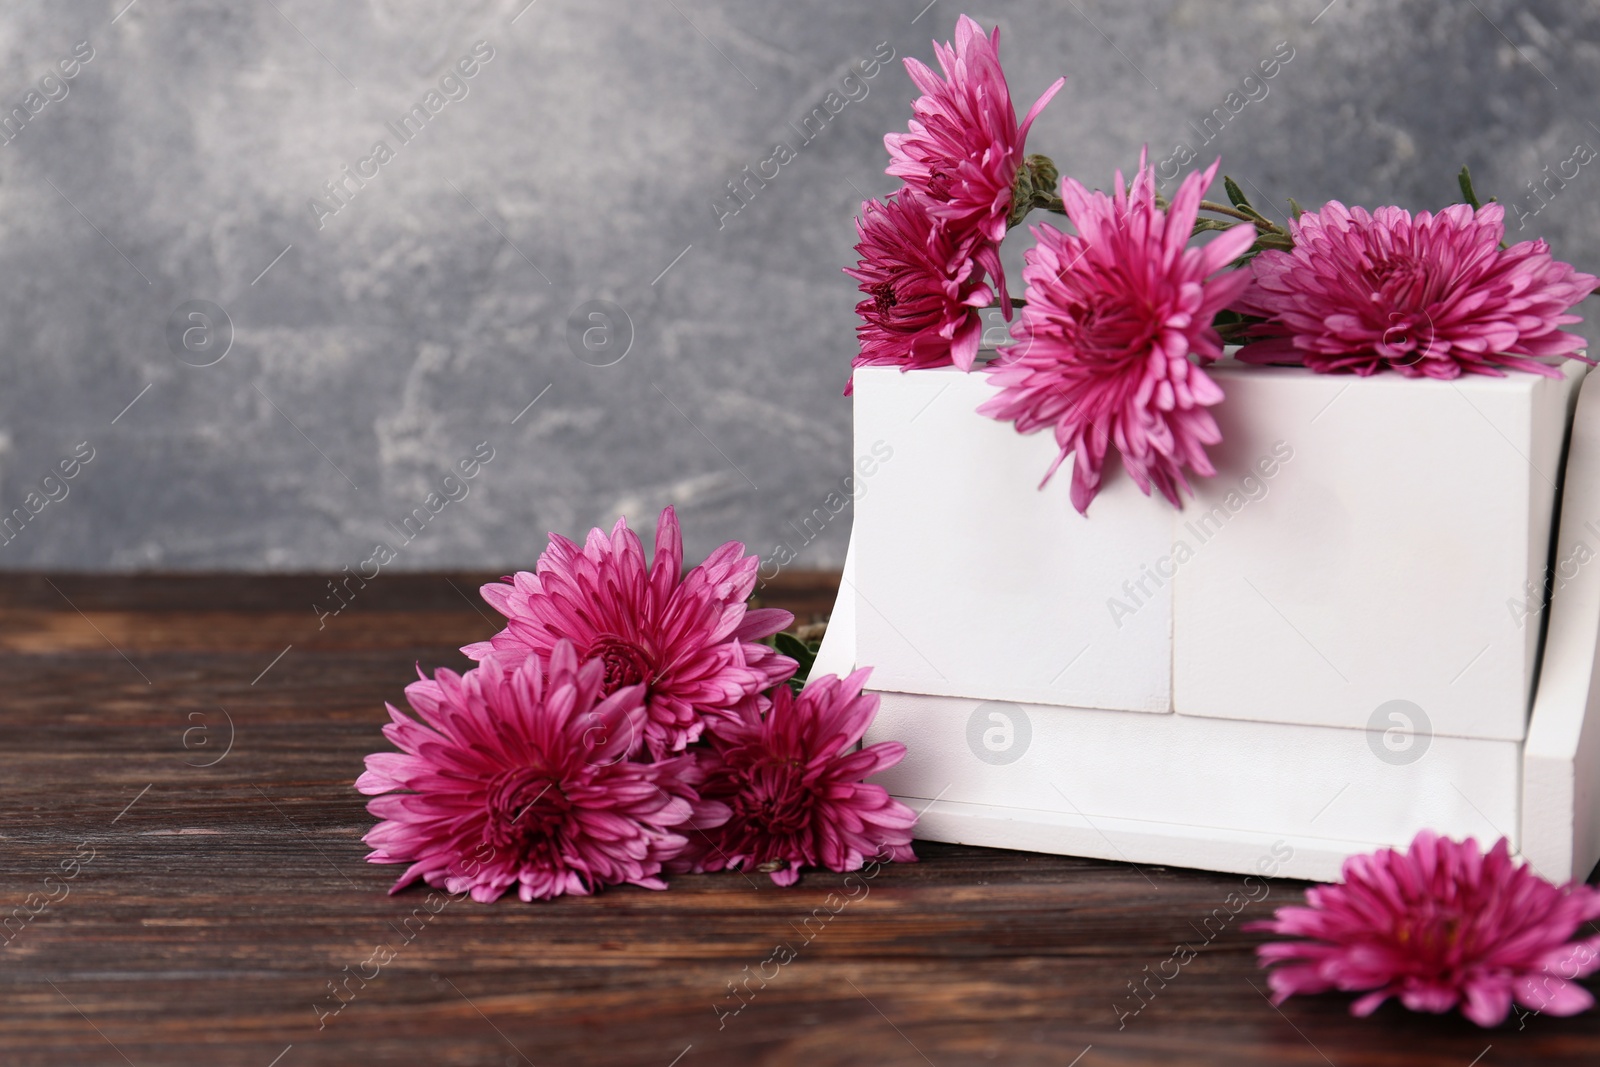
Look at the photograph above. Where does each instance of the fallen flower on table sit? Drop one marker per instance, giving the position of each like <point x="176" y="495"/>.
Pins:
<point x="575" y="754"/>
<point x="687" y="638"/>
<point x="523" y="774"/>
<point x="792" y="779"/>
<point x="1440" y="926"/>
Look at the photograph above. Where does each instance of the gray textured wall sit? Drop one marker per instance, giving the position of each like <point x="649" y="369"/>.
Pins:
<point x="584" y="159"/>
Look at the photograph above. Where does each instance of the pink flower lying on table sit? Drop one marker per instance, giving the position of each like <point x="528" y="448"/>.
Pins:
<point x="792" y="780"/>
<point x="1102" y="351"/>
<point x="964" y="146"/>
<point x="522" y="773"/>
<point x="689" y="639"/>
<point x="1439" y="926"/>
<point x="1429" y="296"/>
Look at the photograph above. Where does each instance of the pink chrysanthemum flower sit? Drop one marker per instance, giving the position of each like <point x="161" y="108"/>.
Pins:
<point x="523" y="775"/>
<point x="793" y="782"/>
<point x="924" y="287"/>
<point x="964" y="146"/>
<point x="1439" y="926"/>
<point x="1114" y="314"/>
<point x="691" y="641"/>
<point x="1432" y="296"/>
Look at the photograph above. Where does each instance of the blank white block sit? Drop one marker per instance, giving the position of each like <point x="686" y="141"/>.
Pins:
<point x="1382" y="560"/>
<point x="971" y="581"/>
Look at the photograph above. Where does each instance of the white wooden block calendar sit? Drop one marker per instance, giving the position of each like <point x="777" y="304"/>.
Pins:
<point x="1338" y="643"/>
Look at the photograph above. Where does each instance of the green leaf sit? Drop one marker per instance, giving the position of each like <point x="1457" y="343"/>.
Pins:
<point x="789" y="645"/>
<point x="1201" y="225"/>
<point x="1296" y="209"/>
<point x="1233" y="326"/>
<point x="1235" y="194"/>
<point x="802" y="652"/>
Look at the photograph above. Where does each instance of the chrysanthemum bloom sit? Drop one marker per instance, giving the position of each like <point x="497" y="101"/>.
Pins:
<point x="524" y="775"/>
<point x="924" y="287"/>
<point x="1102" y="351"/>
<point x="1432" y="296"/>
<point x="964" y="146"/>
<point x="690" y="641"/>
<point x="1440" y="926"/>
<point x="793" y="782"/>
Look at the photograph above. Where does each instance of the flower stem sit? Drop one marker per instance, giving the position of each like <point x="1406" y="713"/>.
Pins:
<point x="1263" y="224"/>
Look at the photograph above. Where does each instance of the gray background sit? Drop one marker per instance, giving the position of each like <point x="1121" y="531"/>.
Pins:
<point x="425" y="315"/>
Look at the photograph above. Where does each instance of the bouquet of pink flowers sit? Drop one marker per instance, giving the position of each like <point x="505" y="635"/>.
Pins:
<point x="1121" y="316"/>
<point x="628" y="722"/>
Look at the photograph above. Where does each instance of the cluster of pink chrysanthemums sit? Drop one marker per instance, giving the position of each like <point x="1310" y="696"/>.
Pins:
<point x="627" y="723"/>
<point x="1121" y="316"/>
<point x="927" y="251"/>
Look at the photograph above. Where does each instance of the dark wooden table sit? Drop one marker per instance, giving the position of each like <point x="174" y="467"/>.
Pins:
<point x="184" y="748"/>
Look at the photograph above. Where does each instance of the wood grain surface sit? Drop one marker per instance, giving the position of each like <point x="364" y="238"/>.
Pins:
<point x="179" y="830"/>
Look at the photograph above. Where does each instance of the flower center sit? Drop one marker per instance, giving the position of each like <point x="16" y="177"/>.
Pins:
<point x="526" y="810"/>
<point x="1436" y="936"/>
<point x="775" y="798"/>
<point x="626" y="663"/>
<point x="938" y="185"/>
<point x="1402" y="290"/>
<point x="1401" y="284"/>
<point x="1110" y="332"/>
<point x="883" y="298"/>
